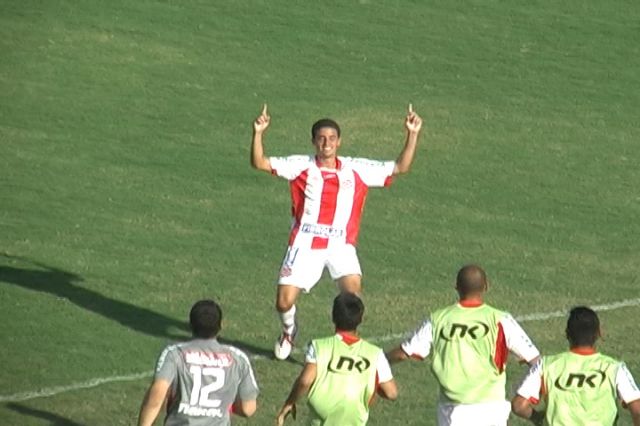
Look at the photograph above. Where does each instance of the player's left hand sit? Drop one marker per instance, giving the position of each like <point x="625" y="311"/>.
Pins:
<point x="284" y="412"/>
<point x="413" y="122"/>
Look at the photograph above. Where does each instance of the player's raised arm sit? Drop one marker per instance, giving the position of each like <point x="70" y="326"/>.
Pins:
<point x="258" y="159"/>
<point x="413" y="124"/>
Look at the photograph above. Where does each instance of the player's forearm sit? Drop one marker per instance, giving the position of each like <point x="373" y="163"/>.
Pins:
<point x="258" y="159"/>
<point x="634" y="409"/>
<point x="297" y="391"/>
<point x="396" y="355"/>
<point x="405" y="159"/>
<point x="245" y="408"/>
<point x="522" y="408"/>
<point x="148" y="413"/>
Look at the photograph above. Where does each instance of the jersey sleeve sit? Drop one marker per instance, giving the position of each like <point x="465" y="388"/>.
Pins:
<point x="531" y="386"/>
<point x="167" y="365"/>
<point x="247" y="386"/>
<point x="373" y="173"/>
<point x="625" y="384"/>
<point x="310" y="353"/>
<point x="418" y="345"/>
<point x="383" y="369"/>
<point x="517" y="340"/>
<point x="290" y="167"/>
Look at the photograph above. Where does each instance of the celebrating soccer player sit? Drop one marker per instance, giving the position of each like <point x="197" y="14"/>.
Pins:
<point x="327" y="194"/>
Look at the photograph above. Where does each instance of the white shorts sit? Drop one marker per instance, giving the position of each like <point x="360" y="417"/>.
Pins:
<point x="302" y="267"/>
<point x="495" y="413"/>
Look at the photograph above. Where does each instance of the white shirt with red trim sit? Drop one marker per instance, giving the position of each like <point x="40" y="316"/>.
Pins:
<point x="383" y="368"/>
<point x="327" y="204"/>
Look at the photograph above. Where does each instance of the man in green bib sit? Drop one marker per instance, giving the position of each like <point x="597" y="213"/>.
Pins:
<point x="469" y="343"/>
<point x="581" y="386"/>
<point x="342" y="373"/>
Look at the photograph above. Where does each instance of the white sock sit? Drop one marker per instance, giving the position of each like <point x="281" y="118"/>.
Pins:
<point x="288" y="319"/>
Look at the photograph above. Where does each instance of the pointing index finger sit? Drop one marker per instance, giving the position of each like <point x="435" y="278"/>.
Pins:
<point x="264" y="109"/>
<point x="410" y="108"/>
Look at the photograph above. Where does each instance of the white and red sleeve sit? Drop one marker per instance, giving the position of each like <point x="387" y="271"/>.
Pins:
<point x="383" y="369"/>
<point x="290" y="167"/>
<point x="531" y="386"/>
<point x="517" y="341"/>
<point x="418" y="345"/>
<point x="373" y="173"/>
<point x="626" y="386"/>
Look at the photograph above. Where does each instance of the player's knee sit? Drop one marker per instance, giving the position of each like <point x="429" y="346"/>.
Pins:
<point x="283" y="305"/>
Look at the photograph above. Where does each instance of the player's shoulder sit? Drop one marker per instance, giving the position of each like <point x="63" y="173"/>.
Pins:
<point x="236" y="353"/>
<point x="175" y="347"/>
<point x="371" y="346"/>
<point x="499" y="314"/>
<point x="359" y="162"/>
<point x="610" y="360"/>
<point x="295" y="159"/>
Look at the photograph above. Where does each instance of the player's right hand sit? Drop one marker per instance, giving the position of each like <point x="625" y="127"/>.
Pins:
<point x="263" y="120"/>
<point x="284" y="412"/>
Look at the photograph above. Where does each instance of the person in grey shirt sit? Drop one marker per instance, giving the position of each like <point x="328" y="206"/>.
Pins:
<point x="203" y="381"/>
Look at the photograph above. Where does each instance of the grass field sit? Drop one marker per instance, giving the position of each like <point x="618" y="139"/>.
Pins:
<point x="126" y="192"/>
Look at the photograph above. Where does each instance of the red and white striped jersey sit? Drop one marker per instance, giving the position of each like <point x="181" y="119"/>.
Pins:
<point x="327" y="204"/>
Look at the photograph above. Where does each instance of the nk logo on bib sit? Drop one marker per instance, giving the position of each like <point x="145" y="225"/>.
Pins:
<point x="457" y="331"/>
<point x="575" y="381"/>
<point x="345" y="365"/>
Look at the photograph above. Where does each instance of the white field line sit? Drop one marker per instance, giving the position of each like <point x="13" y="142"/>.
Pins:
<point x="25" y="396"/>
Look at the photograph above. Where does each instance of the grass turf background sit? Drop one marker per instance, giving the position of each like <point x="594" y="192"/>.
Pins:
<point x="125" y="190"/>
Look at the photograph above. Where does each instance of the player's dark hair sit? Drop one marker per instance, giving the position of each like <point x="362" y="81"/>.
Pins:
<point x="205" y="319"/>
<point x="583" y="327"/>
<point x="471" y="279"/>
<point x="325" y="122"/>
<point x="347" y="311"/>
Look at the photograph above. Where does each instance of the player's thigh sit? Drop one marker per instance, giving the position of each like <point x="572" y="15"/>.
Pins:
<point x="484" y="414"/>
<point x="342" y="261"/>
<point x="302" y="267"/>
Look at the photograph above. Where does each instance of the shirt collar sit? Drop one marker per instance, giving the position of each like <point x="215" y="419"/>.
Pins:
<point x="348" y="338"/>
<point x="471" y="303"/>
<point x="583" y="350"/>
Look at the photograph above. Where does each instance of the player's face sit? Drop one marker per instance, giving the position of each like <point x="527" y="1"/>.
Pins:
<point x="326" y="142"/>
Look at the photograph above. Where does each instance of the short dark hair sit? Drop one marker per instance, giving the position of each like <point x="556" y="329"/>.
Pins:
<point x="583" y="327"/>
<point x="325" y="122"/>
<point x="205" y="318"/>
<point x="471" y="279"/>
<point x="347" y="311"/>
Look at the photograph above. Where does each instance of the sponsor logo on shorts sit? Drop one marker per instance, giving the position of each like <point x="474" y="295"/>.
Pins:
<point x="321" y="230"/>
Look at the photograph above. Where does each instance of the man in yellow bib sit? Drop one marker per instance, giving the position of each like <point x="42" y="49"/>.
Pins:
<point x="580" y="386"/>
<point x="342" y="373"/>
<point x="469" y="343"/>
